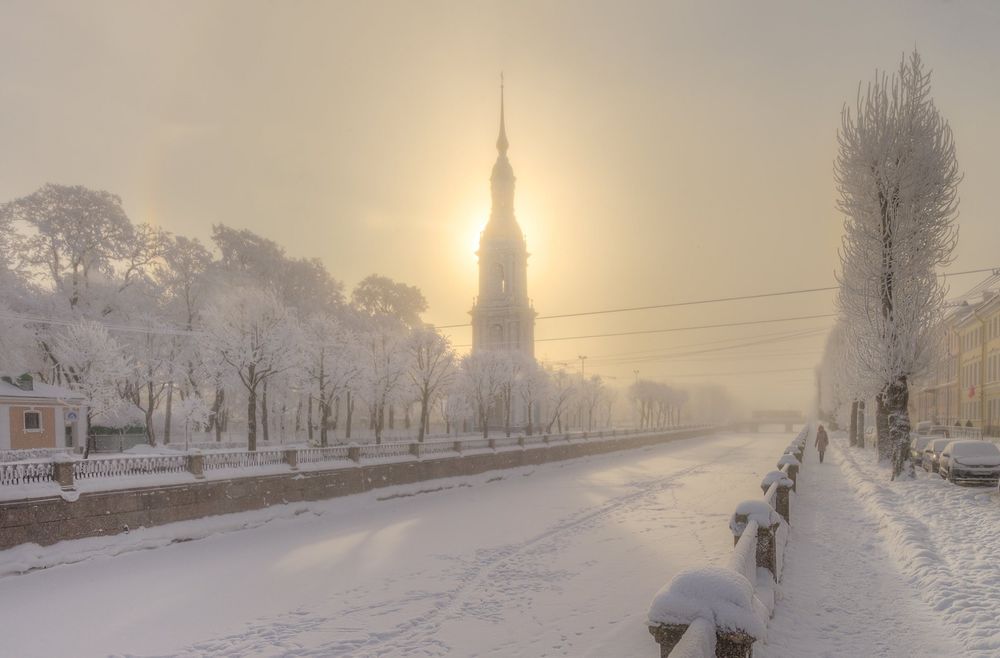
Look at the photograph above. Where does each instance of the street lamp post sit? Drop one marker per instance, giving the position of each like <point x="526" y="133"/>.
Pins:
<point x="583" y="370"/>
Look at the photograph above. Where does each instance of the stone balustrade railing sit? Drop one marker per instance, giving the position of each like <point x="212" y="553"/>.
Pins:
<point x="65" y="470"/>
<point x="723" y="611"/>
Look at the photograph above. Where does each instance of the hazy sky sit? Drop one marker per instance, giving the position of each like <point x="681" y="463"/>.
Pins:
<point x="664" y="151"/>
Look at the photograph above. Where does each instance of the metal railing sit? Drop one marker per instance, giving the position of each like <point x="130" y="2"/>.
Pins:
<point x="197" y="463"/>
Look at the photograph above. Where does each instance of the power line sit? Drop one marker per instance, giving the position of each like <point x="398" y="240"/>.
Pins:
<point x="672" y="329"/>
<point x="708" y="301"/>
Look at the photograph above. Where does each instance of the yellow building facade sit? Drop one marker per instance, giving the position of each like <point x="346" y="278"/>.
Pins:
<point x="963" y="386"/>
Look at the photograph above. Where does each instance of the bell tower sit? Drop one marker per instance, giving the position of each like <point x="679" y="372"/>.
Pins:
<point x="502" y="315"/>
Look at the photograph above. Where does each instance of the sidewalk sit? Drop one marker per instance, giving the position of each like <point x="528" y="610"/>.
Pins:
<point x="842" y="592"/>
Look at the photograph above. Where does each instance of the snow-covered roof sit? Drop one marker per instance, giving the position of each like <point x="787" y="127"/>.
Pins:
<point x="39" y="391"/>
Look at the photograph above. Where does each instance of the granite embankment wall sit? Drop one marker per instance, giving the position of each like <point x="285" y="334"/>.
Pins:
<point x="52" y="519"/>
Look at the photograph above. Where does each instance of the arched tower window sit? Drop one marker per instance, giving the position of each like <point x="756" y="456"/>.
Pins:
<point x="501" y="279"/>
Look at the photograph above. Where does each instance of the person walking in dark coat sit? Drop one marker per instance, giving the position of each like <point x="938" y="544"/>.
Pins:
<point x="822" y="441"/>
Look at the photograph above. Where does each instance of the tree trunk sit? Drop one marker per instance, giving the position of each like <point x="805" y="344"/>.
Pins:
<point x="506" y="411"/>
<point x="379" y="417"/>
<point x="220" y="395"/>
<point x="264" y="424"/>
<point x="324" y="419"/>
<point x="897" y="401"/>
<point x="530" y="429"/>
<point x="406" y="416"/>
<point x="882" y="443"/>
<point x="423" y="418"/>
<point x="852" y="435"/>
<point x="350" y="413"/>
<point x="309" y="420"/>
<point x="150" y="431"/>
<point x="168" y="412"/>
<point x="252" y="420"/>
<point x="861" y="423"/>
<point x="298" y="417"/>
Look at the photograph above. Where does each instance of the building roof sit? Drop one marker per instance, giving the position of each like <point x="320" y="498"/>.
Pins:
<point x="40" y="391"/>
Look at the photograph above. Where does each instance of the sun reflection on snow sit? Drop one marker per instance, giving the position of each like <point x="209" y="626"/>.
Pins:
<point x="365" y="549"/>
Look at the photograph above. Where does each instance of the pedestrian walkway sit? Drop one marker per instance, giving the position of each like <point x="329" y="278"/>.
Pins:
<point x="842" y="592"/>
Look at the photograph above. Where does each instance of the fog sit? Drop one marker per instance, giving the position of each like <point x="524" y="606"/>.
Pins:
<point x="662" y="153"/>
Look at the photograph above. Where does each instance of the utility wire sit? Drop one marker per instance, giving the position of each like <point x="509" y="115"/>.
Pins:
<point x="672" y="329"/>
<point x="708" y="301"/>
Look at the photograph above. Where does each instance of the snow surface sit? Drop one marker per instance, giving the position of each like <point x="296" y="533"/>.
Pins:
<point x="554" y="560"/>
<point x="844" y="593"/>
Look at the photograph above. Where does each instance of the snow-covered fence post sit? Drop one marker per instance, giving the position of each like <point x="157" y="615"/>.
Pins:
<point x="292" y="458"/>
<point x="520" y="441"/>
<point x="354" y="453"/>
<point x="196" y="465"/>
<point x="782" y="486"/>
<point x="768" y="524"/>
<point x="457" y="447"/>
<point x="698" y="601"/>
<point x="417" y="449"/>
<point x="62" y="471"/>
<point x="791" y="467"/>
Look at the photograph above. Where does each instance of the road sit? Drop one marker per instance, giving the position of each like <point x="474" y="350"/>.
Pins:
<point x="554" y="560"/>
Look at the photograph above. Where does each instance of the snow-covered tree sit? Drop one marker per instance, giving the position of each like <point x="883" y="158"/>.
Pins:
<point x="483" y="375"/>
<point x="331" y="364"/>
<point x="379" y="296"/>
<point x="383" y="368"/>
<point x="559" y="392"/>
<point x="898" y="180"/>
<point x="431" y="369"/>
<point x="96" y="366"/>
<point x="254" y="335"/>
<point x="532" y="386"/>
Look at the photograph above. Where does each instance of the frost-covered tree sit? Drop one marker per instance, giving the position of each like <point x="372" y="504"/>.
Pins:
<point x="532" y="386"/>
<point x="331" y="362"/>
<point x="97" y="366"/>
<point x="147" y="380"/>
<point x="559" y="393"/>
<point x="383" y="359"/>
<point x="380" y="296"/>
<point x="254" y="335"/>
<point x="431" y="369"/>
<point x="483" y="374"/>
<point x="898" y="180"/>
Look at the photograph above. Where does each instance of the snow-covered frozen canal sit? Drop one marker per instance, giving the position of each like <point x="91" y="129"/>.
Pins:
<point x="553" y="560"/>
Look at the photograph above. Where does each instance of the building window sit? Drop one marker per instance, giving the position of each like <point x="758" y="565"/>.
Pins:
<point x="32" y="421"/>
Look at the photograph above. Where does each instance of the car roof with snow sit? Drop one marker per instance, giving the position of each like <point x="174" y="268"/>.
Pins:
<point x="973" y="448"/>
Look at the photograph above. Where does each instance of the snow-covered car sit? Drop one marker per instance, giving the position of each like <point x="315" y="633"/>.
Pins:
<point x="932" y="452"/>
<point x="917" y="444"/>
<point x="923" y="428"/>
<point x="970" y="462"/>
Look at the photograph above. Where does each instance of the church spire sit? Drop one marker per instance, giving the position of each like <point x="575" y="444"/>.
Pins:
<point x="502" y="137"/>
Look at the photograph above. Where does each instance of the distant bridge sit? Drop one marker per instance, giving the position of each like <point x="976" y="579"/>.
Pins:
<point x="787" y="417"/>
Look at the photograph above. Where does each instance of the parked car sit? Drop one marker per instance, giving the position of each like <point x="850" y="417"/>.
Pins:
<point x="970" y="462"/>
<point x="917" y="444"/>
<point x="932" y="452"/>
<point x="923" y="428"/>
